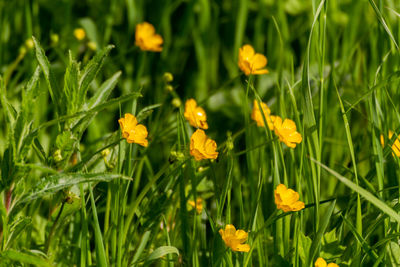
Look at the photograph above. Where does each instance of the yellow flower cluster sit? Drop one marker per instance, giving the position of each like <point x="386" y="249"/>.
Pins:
<point x="320" y="262"/>
<point x="395" y="146"/>
<point x="147" y="39"/>
<point x="235" y="238"/>
<point x="287" y="199"/>
<point x="286" y="130"/>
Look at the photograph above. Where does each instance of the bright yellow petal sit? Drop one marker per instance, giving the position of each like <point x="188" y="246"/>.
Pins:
<point x="242" y="247"/>
<point x="259" y="61"/>
<point x="246" y="52"/>
<point x="241" y="236"/>
<point x="320" y="262"/>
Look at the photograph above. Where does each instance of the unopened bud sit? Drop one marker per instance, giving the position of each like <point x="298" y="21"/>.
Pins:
<point x="29" y="43"/>
<point x="57" y="155"/>
<point x="176" y="102"/>
<point x="169" y="88"/>
<point x="92" y="46"/>
<point x="168" y="77"/>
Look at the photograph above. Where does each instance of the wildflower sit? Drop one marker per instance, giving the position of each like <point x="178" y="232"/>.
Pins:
<point x="79" y="34"/>
<point x="195" y="115"/>
<point x="287" y="199"/>
<point x="286" y="132"/>
<point x="251" y="62"/>
<point x="395" y="146"/>
<point x="147" y="39"/>
<point x="257" y="116"/>
<point x="132" y="131"/>
<point x="234" y="238"/>
<point x="202" y="147"/>
<point x="198" y="205"/>
<point x="320" y="262"/>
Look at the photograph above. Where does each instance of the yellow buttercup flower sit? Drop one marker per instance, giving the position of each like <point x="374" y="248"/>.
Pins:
<point x="286" y="131"/>
<point x="251" y="62"/>
<point x="202" y="147"/>
<point x="195" y="115"/>
<point x="147" y="39"/>
<point x="257" y="116"/>
<point x="395" y="146"/>
<point x="287" y="199"/>
<point x="198" y="204"/>
<point x="79" y="34"/>
<point x="234" y="238"/>
<point x="132" y="131"/>
<point x="320" y="262"/>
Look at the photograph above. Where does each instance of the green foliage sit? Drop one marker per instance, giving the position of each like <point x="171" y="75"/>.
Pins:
<point x="74" y="192"/>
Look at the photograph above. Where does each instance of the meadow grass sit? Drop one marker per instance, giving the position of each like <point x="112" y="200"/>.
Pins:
<point x="74" y="192"/>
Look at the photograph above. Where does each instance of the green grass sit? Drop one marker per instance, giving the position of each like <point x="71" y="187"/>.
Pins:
<point x="75" y="193"/>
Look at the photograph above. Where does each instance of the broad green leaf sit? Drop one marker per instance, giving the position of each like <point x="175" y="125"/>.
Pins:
<point x="55" y="183"/>
<point x="364" y="193"/>
<point x="17" y="227"/>
<point x="71" y="85"/>
<point x="162" y="251"/>
<point x="90" y="29"/>
<point x="318" y="238"/>
<point x="22" y="257"/>
<point x="104" y="91"/>
<point x="55" y="93"/>
<point x="90" y="72"/>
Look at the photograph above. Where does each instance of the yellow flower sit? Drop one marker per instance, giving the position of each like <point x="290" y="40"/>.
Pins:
<point x="198" y="205"/>
<point x="234" y="238"/>
<point x="147" y="39"/>
<point x="250" y="62"/>
<point x="286" y="132"/>
<point x="320" y="262"/>
<point x="395" y="146"/>
<point x="132" y="131"/>
<point x="257" y="116"/>
<point x="202" y="147"/>
<point x="287" y="199"/>
<point x="195" y="115"/>
<point x="79" y="34"/>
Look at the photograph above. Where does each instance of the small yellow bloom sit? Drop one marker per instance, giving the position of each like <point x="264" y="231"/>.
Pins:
<point x="79" y="34"/>
<point x="320" y="262"/>
<point x="286" y="131"/>
<point x="132" y="131"/>
<point x="202" y="147"/>
<point x="195" y="115"/>
<point x="257" y="116"/>
<point x="234" y="238"/>
<point x="251" y="62"/>
<point x="395" y="146"/>
<point x="147" y="39"/>
<point x="198" y="205"/>
<point x="287" y="199"/>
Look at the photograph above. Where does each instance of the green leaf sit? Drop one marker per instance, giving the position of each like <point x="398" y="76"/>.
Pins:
<point x="304" y="247"/>
<point x="71" y="85"/>
<point x="104" y="91"/>
<point x="318" y="238"/>
<point x="90" y="29"/>
<point x="17" y="227"/>
<point x="162" y="251"/>
<point x="55" y="183"/>
<point x="364" y="193"/>
<point x="145" y="112"/>
<point x="21" y="257"/>
<point x="55" y="93"/>
<point x="90" y="72"/>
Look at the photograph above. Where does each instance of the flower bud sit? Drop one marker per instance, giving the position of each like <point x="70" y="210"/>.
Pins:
<point x="168" y="77"/>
